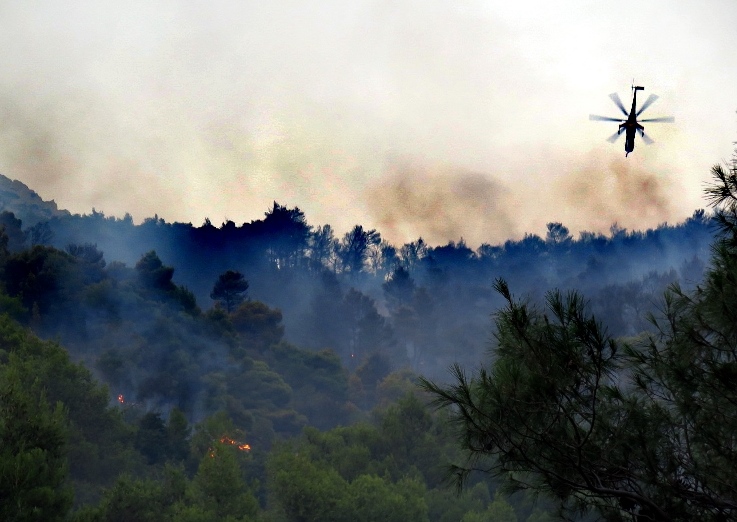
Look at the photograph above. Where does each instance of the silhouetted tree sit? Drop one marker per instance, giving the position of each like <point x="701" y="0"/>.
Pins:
<point x="12" y="226"/>
<point x="230" y="290"/>
<point x="153" y="274"/>
<point x="411" y="253"/>
<point x="323" y="246"/>
<point x="91" y="261"/>
<point x="453" y="257"/>
<point x="355" y="246"/>
<point x="387" y="259"/>
<point x="366" y="331"/>
<point x="40" y="234"/>
<point x="633" y="432"/>
<point x="286" y="233"/>
<point x="557" y="234"/>
<point x="399" y="287"/>
<point x="88" y="253"/>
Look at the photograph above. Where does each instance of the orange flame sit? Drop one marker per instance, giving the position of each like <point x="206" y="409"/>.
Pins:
<point x="228" y="440"/>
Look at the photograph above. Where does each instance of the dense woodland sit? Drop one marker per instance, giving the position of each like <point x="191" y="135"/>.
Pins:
<point x="636" y="429"/>
<point x="268" y="371"/>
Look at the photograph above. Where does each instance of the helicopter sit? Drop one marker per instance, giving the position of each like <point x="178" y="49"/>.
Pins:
<point x="629" y="125"/>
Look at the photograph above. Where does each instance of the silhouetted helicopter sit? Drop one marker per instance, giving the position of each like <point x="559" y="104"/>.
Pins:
<point x="630" y="125"/>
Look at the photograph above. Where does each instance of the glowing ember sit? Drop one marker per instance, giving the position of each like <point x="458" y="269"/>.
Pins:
<point x="121" y="399"/>
<point x="228" y="440"/>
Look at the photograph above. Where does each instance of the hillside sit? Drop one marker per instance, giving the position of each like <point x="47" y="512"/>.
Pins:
<point x="310" y="366"/>
<point x="420" y="305"/>
<point x="26" y="204"/>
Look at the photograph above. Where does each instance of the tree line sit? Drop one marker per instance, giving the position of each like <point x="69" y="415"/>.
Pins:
<point x="639" y="429"/>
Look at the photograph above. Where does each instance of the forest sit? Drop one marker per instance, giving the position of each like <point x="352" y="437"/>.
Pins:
<point x="269" y="370"/>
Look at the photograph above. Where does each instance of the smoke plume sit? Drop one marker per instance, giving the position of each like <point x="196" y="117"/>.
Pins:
<point x="606" y="190"/>
<point x="444" y="203"/>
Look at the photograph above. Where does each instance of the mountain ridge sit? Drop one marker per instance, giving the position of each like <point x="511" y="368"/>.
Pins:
<point x="26" y="204"/>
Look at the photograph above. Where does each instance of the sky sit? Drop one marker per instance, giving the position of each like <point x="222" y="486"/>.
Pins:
<point x="434" y="119"/>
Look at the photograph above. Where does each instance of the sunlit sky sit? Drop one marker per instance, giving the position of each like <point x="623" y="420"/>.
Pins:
<point x="444" y="120"/>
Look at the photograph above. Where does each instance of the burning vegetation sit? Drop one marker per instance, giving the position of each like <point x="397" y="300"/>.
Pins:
<point x="225" y="440"/>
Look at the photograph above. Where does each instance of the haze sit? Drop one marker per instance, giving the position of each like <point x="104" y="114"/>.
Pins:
<point x="433" y="119"/>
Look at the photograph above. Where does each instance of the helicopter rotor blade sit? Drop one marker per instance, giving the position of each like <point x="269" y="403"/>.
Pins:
<point x="614" y="137"/>
<point x="615" y="98"/>
<point x="594" y="117"/>
<point x="647" y="139"/>
<point x="650" y="100"/>
<point x="666" y="119"/>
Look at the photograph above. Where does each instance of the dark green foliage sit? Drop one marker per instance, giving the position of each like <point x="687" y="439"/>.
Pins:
<point x="548" y="411"/>
<point x="153" y="274"/>
<point x="99" y="446"/>
<point x="318" y="381"/>
<point x="220" y="487"/>
<point x="130" y="500"/>
<point x="386" y="470"/>
<point x="178" y="432"/>
<point x="13" y="307"/>
<point x="258" y="326"/>
<point x="33" y="467"/>
<point x="217" y="492"/>
<point x="305" y="490"/>
<point x="11" y="227"/>
<point x="156" y="281"/>
<point x="42" y="278"/>
<point x="91" y="261"/>
<point x="230" y="290"/>
<point x="641" y="431"/>
<point x="186" y="299"/>
<point x="399" y="287"/>
<point x="257" y="386"/>
<point x="146" y="337"/>
<point x="151" y="438"/>
<point x="40" y="234"/>
<point x="285" y="262"/>
<point x="367" y="332"/>
<point x="371" y="373"/>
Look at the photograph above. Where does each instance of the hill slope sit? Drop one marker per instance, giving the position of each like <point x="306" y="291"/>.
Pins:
<point x="25" y="203"/>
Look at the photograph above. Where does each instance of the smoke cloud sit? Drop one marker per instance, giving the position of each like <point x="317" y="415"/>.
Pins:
<point x="603" y="191"/>
<point x="215" y="109"/>
<point x="444" y="203"/>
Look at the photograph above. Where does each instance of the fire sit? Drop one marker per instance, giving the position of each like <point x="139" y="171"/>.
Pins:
<point x="228" y="440"/>
<point x="121" y="399"/>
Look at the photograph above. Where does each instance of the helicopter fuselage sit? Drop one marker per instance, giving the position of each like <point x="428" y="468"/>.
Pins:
<point x="630" y="125"/>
